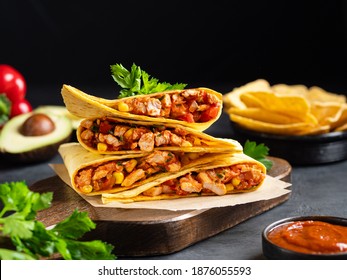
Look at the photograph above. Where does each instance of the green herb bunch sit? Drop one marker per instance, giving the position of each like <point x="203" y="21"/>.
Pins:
<point x="32" y="240"/>
<point x="137" y="82"/>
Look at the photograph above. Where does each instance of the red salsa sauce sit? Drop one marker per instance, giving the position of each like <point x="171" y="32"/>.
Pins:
<point x="312" y="237"/>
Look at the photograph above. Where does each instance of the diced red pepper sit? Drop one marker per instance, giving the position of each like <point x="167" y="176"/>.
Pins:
<point x="105" y="127"/>
<point x="209" y="114"/>
<point x="187" y="117"/>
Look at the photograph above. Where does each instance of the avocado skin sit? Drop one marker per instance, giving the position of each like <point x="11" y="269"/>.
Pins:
<point x="35" y="156"/>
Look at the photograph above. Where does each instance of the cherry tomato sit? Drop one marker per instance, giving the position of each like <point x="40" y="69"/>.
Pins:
<point x="21" y="107"/>
<point x="12" y="83"/>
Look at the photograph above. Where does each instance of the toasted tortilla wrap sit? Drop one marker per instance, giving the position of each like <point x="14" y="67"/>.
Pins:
<point x="93" y="174"/>
<point x="234" y="173"/>
<point x="197" y="108"/>
<point x="109" y="135"/>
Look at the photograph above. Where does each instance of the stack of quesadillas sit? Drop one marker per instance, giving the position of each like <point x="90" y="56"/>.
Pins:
<point x="152" y="147"/>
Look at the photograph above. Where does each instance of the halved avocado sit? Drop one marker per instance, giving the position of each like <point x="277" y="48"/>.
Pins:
<point x="18" y="148"/>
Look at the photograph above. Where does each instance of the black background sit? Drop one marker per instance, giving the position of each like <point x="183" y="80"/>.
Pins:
<point x="218" y="44"/>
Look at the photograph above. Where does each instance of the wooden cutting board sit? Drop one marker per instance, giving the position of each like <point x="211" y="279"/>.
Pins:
<point x="145" y="232"/>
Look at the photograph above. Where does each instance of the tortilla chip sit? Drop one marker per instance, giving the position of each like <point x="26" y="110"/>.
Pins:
<point x="291" y="105"/>
<point x="232" y="99"/>
<point x="250" y="100"/>
<point x="318" y="94"/>
<point x="326" y="113"/>
<point x="280" y="129"/>
<point x="263" y="115"/>
<point x="290" y="89"/>
<point x="342" y="120"/>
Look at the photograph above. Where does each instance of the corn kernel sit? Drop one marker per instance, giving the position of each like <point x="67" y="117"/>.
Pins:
<point x="130" y="165"/>
<point x="128" y="134"/>
<point x="86" y="189"/>
<point x="123" y="107"/>
<point x="119" y="176"/>
<point x="235" y="181"/>
<point x="229" y="187"/>
<point x="197" y="142"/>
<point x="102" y="147"/>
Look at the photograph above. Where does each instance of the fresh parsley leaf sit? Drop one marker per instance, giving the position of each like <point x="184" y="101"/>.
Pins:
<point x="18" y="198"/>
<point x="30" y="237"/>
<point x="5" y="108"/>
<point x="75" y="226"/>
<point x="89" y="250"/>
<point x="16" y="226"/>
<point x="258" y="152"/>
<point x="6" y="254"/>
<point x="137" y="81"/>
<point x="42" y="243"/>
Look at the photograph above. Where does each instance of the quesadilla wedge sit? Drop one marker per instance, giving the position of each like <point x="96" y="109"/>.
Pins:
<point x="197" y="108"/>
<point x="109" y="135"/>
<point x="93" y="174"/>
<point x="224" y="175"/>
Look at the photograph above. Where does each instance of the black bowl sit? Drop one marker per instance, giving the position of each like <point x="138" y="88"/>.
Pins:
<point x="275" y="252"/>
<point x="299" y="150"/>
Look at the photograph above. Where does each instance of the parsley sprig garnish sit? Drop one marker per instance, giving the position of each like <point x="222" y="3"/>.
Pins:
<point x="137" y="82"/>
<point x="5" y="109"/>
<point x="259" y="152"/>
<point x="32" y="240"/>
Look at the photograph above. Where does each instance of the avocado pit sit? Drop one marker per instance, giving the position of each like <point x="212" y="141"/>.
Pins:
<point x="37" y="124"/>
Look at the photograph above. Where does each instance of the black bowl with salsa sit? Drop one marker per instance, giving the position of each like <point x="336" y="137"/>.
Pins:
<point x="308" y="237"/>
